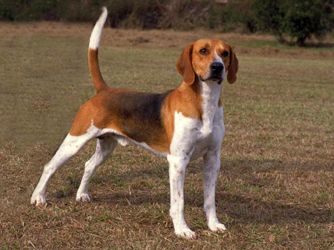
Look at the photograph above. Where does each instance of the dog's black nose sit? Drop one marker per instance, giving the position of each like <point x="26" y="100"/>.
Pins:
<point x="217" y="67"/>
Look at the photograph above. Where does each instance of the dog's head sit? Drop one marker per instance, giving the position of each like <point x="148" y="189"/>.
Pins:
<point x="209" y="60"/>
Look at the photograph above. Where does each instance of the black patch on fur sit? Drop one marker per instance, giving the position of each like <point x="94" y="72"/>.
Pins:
<point x="139" y="113"/>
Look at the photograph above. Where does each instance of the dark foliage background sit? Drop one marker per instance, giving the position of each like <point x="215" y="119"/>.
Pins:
<point x="298" y="19"/>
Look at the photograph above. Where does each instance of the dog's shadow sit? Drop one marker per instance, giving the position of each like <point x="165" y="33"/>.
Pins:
<point x="249" y="210"/>
<point x="239" y="208"/>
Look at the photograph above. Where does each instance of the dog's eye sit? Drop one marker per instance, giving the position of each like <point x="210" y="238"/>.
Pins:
<point x="225" y="53"/>
<point x="204" y="51"/>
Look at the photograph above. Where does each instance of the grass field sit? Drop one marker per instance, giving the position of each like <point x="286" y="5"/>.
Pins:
<point x="276" y="187"/>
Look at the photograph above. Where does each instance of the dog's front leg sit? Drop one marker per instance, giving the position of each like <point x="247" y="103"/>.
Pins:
<point x="211" y="170"/>
<point x="177" y="168"/>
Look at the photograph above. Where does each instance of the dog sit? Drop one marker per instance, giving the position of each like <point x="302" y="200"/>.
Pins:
<point x="182" y="124"/>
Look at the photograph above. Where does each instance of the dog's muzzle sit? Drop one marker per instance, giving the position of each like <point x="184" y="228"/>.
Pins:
<point x="216" y="71"/>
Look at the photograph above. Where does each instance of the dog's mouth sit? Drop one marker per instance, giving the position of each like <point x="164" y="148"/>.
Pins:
<point x="214" y="78"/>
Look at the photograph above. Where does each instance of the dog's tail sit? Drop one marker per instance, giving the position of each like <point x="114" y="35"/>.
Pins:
<point x="94" y="42"/>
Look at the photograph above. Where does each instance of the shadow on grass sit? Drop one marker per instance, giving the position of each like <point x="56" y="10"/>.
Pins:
<point x="319" y="45"/>
<point x="308" y="44"/>
<point x="239" y="208"/>
<point x="250" y="210"/>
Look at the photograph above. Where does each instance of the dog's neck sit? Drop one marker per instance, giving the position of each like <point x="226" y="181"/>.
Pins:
<point x="210" y="93"/>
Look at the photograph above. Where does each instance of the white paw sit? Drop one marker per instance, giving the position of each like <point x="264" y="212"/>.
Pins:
<point x="217" y="227"/>
<point x="83" y="197"/>
<point x="185" y="232"/>
<point x="38" y="199"/>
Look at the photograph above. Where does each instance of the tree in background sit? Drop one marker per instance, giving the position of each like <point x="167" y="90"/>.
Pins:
<point x="304" y="18"/>
<point x="269" y="16"/>
<point x="237" y="15"/>
<point x="299" y="19"/>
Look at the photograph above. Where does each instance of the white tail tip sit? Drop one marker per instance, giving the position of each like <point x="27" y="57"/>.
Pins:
<point x="95" y="37"/>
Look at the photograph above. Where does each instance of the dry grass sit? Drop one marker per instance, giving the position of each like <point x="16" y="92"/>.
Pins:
<point x="276" y="185"/>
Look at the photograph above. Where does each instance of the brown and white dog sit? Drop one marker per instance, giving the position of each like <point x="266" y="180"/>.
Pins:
<point x="181" y="125"/>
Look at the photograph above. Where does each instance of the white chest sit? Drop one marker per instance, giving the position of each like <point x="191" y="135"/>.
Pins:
<point x="209" y="139"/>
<point x="192" y="137"/>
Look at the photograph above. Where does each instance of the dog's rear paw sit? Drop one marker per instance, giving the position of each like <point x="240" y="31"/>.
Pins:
<point x="217" y="227"/>
<point x="38" y="199"/>
<point x="185" y="232"/>
<point x="83" y="197"/>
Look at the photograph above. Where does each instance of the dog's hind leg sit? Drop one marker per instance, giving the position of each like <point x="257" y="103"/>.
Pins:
<point x="69" y="147"/>
<point x="104" y="146"/>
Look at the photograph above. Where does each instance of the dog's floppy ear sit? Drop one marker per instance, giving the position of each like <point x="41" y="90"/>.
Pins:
<point x="232" y="68"/>
<point x="184" y="65"/>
